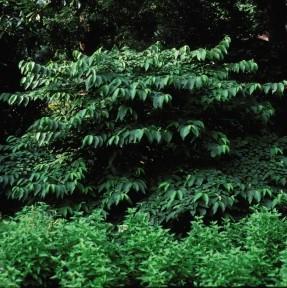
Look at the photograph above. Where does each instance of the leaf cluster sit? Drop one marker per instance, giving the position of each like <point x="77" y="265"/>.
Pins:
<point x="38" y="249"/>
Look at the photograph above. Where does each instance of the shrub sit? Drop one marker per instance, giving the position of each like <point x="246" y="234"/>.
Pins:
<point x="120" y="125"/>
<point x="38" y="249"/>
<point x="26" y="248"/>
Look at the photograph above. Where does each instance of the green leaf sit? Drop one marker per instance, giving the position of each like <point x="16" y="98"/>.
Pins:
<point x="215" y="208"/>
<point x="88" y="140"/>
<point x="184" y="131"/>
<point x="197" y="196"/>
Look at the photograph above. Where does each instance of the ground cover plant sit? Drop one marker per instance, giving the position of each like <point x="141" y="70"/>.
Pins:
<point x="39" y="249"/>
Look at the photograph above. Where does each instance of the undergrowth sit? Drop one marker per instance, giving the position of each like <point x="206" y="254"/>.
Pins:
<point x="39" y="248"/>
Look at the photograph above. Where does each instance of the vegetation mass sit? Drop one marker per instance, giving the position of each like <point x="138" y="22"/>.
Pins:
<point x="143" y="143"/>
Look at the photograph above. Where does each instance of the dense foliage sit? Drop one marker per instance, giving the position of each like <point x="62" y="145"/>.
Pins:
<point x="157" y="147"/>
<point x="38" y="249"/>
<point x="121" y="123"/>
<point x="39" y="25"/>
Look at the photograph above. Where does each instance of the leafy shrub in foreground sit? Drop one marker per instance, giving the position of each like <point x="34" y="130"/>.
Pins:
<point x="25" y="248"/>
<point x="88" y="261"/>
<point x="38" y="248"/>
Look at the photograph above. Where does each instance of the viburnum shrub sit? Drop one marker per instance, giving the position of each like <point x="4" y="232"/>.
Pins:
<point x="121" y="125"/>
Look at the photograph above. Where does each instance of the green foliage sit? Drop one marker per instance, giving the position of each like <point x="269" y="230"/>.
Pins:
<point x="37" y="248"/>
<point x="197" y="21"/>
<point x="88" y="259"/>
<point x="157" y="130"/>
<point x="254" y="172"/>
<point x="198" y="192"/>
<point x="33" y="236"/>
<point x="36" y="25"/>
<point x="135" y="23"/>
<point x="114" y="117"/>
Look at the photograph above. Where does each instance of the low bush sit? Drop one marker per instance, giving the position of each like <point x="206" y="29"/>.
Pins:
<point x="38" y="249"/>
